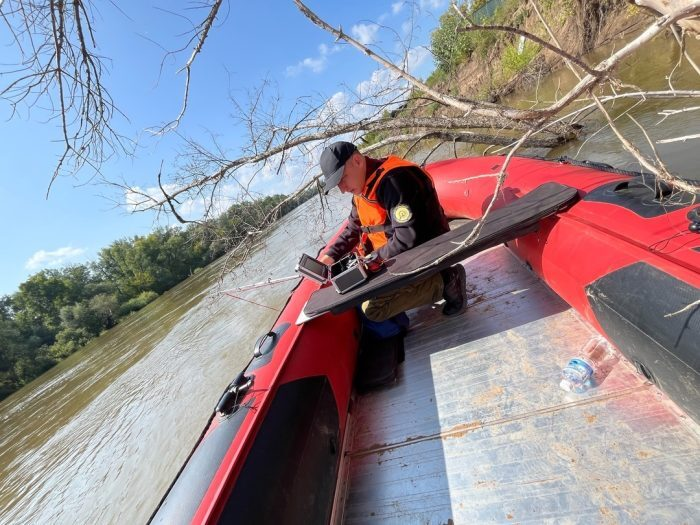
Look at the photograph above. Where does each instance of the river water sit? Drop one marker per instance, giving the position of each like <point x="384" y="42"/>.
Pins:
<point x="99" y="438"/>
<point x="650" y="70"/>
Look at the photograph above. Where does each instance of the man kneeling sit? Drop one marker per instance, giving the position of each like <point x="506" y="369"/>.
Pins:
<point x="394" y="208"/>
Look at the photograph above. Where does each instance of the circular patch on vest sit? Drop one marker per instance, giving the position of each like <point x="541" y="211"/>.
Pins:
<point x="402" y="213"/>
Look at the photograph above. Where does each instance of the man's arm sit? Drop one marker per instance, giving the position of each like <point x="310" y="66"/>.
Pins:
<point x="347" y="239"/>
<point x="403" y="198"/>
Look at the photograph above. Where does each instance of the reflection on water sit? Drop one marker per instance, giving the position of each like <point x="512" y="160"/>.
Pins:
<point x="99" y="438"/>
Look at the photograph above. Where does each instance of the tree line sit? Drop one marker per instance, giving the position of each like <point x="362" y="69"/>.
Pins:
<point x="55" y="312"/>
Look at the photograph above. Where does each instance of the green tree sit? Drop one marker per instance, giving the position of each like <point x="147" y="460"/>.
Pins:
<point x="105" y="308"/>
<point x="137" y="303"/>
<point x="38" y="302"/>
<point x="449" y="46"/>
<point x="122" y="264"/>
<point x="11" y="348"/>
<point x="68" y="341"/>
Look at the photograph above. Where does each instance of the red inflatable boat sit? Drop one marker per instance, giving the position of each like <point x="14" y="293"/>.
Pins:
<point x="626" y="256"/>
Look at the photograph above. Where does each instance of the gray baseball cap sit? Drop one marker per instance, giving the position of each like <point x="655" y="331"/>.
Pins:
<point x="333" y="161"/>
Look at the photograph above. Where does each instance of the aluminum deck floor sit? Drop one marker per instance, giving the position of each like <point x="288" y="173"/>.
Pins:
<point x="477" y="430"/>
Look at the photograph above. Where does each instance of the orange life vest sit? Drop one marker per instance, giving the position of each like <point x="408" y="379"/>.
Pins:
<point x="373" y="216"/>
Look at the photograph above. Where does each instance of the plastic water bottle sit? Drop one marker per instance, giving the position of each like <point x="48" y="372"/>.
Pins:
<point x="578" y="374"/>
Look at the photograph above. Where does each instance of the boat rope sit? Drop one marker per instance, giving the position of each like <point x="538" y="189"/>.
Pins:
<point x="600" y="166"/>
<point x="262" y="284"/>
<point x="685" y="309"/>
<point x="269" y="282"/>
<point x="252" y="302"/>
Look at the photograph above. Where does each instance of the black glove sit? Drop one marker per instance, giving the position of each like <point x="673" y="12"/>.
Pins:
<point x="372" y="262"/>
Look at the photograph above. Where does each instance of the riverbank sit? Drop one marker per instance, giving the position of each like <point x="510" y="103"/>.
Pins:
<point x="501" y="63"/>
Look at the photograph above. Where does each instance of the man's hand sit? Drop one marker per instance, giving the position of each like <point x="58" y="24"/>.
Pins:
<point x="372" y="262"/>
<point x="327" y="260"/>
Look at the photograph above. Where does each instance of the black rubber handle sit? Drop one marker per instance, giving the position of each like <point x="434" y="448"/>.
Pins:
<point x="661" y="189"/>
<point x="257" y="352"/>
<point x="235" y="390"/>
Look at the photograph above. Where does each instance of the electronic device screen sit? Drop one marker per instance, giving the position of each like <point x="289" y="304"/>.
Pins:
<point x="313" y="266"/>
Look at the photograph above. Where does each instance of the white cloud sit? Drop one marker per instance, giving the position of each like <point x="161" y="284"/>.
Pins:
<point x="417" y="57"/>
<point x="397" y="7"/>
<point x="141" y="199"/>
<point x="432" y="4"/>
<point x="248" y="182"/>
<point x="366" y="34"/>
<point x="54" y="259"/>
<point x="379" y="81"/>
<point x="288" y="179"/>
<point x="314" y="64"/>
<point x="383" y="87"/>
<point x="333" y="110"/>
<point x="383" y="79"/>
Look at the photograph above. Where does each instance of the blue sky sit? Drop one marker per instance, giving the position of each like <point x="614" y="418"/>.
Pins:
<point x="252" y="41"/>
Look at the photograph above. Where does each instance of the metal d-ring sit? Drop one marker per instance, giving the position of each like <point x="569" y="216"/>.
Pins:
<point x="229" y="401"/>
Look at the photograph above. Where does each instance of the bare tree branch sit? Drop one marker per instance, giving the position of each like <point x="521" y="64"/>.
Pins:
<point x="681" y="43"/>
<point x="59" y="72"/>
<point x="323" y="133"/>
<point x="669" y="112"/>
<point x="466" y="138"/>
<point x="678" y="139"/>
<point x="201" y="32"/>
<point x="468" y="107"/>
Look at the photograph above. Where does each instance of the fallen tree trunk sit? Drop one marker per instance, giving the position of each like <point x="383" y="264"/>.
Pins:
<point x="467" y="138"/>
<point x="564" y="130"/>
<point x="665" y="7"/>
